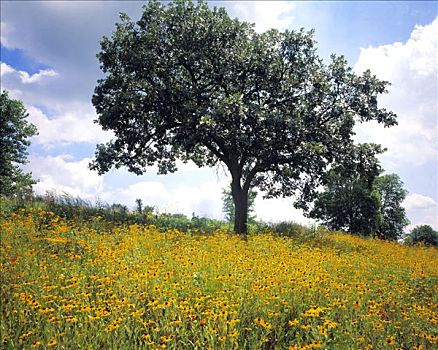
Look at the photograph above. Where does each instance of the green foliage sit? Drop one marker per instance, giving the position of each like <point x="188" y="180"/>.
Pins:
<point x="188" y="82"/>
<point x="287" y="229"/>
<point x="357" y="200"/>
<point x="393" y="215"/>
<point x="14" y="133"/>
<point x="139" y="205"/>
<point x="349" y="202"/>
<point x="106" y="216"/>
<point x="423" y="234"/>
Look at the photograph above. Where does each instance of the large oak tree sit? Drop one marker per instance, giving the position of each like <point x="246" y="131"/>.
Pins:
<point x="188" y="82"/>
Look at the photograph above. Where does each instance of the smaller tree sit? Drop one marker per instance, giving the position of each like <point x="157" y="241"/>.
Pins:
<point x="15" y="131"/>
<point x="357" y="200"/>
<point x="392" y="194"/>
<point x="348" y="201"/>
<point x="425" y="234"/>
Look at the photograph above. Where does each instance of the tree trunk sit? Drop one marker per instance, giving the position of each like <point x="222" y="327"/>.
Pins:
<point x="240" y="198"/>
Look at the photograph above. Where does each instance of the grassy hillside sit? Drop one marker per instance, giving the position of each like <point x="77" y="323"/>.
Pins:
<point x="93" y="286"/>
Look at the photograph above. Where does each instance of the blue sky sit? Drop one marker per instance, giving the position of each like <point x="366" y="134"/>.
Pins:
<point x="48" y="55"/>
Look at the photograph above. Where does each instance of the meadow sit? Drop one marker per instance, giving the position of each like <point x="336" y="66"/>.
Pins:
<point x="89" y="285"/>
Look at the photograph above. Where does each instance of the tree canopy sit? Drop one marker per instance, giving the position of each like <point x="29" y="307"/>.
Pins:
<point x="348" y="201"/>
<point x="393" y="214"/>
<point x="423" y="234"/>
<point x="15" y="132"/>
<point x="188" y="82"/>
<point x="357" y="200"/>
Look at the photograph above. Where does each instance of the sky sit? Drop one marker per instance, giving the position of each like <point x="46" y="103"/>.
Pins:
<point x="48" y="60"/>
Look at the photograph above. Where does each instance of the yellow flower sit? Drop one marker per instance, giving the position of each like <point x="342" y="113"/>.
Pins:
<point x="390" y="340"/>
<point x="293" y="322"/>
<point x="330" y="324"/>
<point x="233" y="334"/>
<point x="166" y="338"/>
<point x="35" y="344"/>
<point x="261" y="322"/>
<point x="313" y="312"/>
<point x="314" y="345"/>
<point x="52" y="342"/>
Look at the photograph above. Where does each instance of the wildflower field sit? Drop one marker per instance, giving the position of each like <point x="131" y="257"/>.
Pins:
<point x="94" y="286"/>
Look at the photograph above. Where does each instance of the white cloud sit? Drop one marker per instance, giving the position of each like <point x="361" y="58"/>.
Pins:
<point x="203" y="199"/>
<point x="64" y="36"/>
<point x="68" y="127"/>
<point x="25" y="77"/>
<point x="418" y="201"/>
<point x="265" y="14"/>
<point x="5" y="69"/>
<point x="5" y="31"/>
<point x="150" y="192"/>
<point x="412" y="68"/>
<point x="61" y="174"/>
<point x="279" y="209"/>
<point x="421" y="210"/>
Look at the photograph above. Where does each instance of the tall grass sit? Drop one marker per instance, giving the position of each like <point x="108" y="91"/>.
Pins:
<point x="83" y="211"/>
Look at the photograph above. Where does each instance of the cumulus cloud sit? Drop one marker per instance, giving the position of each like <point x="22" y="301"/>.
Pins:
<point x="412" y="69"/>
<point x="5" y="33"/>
<point x="203" y="199"/>
<point x="418" y="201"/>
<point x="422" y="210"/>
<point x="62" y="174"/>
<point x="25" y="77"/>
<point x="279" y="209"/>
<point x="72" y="126"/>
<point x="265" y="14"/>
<point x="64" y="36"/>
<point x="150" y="192"/>
<point x="5" y="69"/>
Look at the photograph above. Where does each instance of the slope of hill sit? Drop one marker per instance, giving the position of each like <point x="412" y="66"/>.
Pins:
<point x="69" y="287"/>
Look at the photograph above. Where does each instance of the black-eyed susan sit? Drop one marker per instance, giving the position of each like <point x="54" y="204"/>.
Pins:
<point x="293" y="323"/>
<point x="390" y="340"/>
<point x="51" y="343"/>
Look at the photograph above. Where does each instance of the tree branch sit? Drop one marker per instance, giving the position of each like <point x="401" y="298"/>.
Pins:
<point x="217" y="153"/>
<point x="250" y="176"/>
